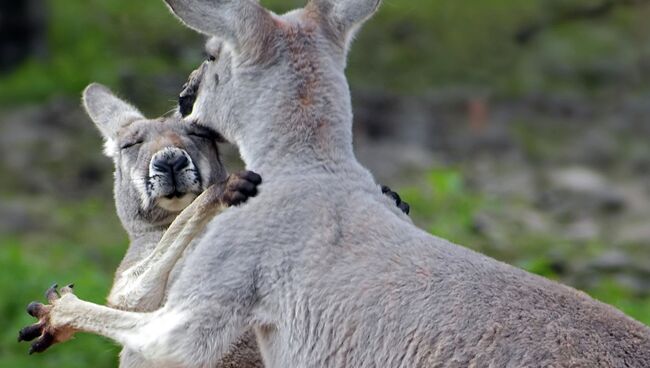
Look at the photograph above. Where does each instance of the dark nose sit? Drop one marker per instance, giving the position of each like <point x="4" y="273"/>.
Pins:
<point x="171" y="166"/>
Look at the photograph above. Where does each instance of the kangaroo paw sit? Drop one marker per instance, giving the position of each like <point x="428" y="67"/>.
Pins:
<point x="44" y="333"/>
<point x="240" y="186"/>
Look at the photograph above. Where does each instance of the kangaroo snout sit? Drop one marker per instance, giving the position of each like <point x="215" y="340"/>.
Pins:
<point x="186" y="102"/>
<point x="173" y="177"/>
<point x="187" y="97"/>
<point x="171" y="166"/>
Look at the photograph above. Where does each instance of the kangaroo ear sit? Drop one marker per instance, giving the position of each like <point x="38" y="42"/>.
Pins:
<point x="108" y="111"/>
<point x="346" y="16"/>
<point x="243" y="24"/>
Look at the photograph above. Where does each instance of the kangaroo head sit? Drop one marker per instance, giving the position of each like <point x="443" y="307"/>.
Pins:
<point x="161" y="165"/>
<point x="274" y="85"/>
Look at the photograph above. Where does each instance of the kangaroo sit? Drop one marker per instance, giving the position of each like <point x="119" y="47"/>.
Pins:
<point x="317" y="265"/>
<point x="161" y="167"/>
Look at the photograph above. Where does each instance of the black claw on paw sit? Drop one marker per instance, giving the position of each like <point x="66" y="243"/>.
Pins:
<point x="35" y="309"/>
<point x="29" y="333"/>
<point x="237" y="199"/>
<point x="404" y="207"/>
<point x="42" y="343"/>
<point x="253" y="177"/>
<point x="42" y="332"/>
<point x="395" y="197"/>
<point x="247" y="188"/>
<point x="52" y="294"/>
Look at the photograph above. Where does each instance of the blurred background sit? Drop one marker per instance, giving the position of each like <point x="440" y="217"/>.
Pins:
<point x="517" y="128"/>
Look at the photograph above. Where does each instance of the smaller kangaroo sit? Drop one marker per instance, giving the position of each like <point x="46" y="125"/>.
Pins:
<point x="162" y="167"/>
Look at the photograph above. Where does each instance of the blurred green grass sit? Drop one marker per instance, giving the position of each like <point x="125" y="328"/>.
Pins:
<point x="411" y="47"/>
<point x="83" y="245"/>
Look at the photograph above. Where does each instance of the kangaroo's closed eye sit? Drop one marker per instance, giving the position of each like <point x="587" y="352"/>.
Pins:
<point x="198" y="131"/>
<point x="201" y="132"/>
<point x="201" y="135"/>
<point x="131" y="144"/>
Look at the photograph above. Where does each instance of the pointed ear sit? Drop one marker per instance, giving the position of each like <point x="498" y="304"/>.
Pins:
<point x="107" y="111"/>
<point x="243" y="24"/>
<point x="345" y="16"/>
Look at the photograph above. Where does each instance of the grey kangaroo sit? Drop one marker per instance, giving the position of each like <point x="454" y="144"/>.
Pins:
<point x="317" y="265"/>
<point x="161" y="166"/>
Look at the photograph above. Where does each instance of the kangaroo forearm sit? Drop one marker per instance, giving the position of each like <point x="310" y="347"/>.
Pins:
<point x="143" y="285"/>
<point x="88" y="317"/>
<point x="183" y="230"/>
<point x="142" y="293"/>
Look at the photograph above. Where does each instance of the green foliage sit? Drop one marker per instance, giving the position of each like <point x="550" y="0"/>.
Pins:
<point x="97" y="41"/>
<point x="25" y="277"/>
<point x="84" y="245"/>
<point x="425" y="44"/>
<point x="612" y="292"/>
<point x="445" y="205"/>
<point x="409" y="46"/>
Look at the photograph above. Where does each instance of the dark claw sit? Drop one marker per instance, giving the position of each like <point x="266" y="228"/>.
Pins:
<point x="252" y="192"/>
<point x="398" y="200"/>
<point x="395" y="197"/>
<point x="387" y="191"/>
<point x="52" y="294"/>
<point x="253" y="177"/>
<point x="404" y="207"/>
<point x="240" y="187"/>
<point x="67" y="289"/>
<point x="237" y="198"/>
<point x="246" y="188"/>
<point x="29" y="333"/>
<point x="34" y="309"/>
<point x="42" y="343"/>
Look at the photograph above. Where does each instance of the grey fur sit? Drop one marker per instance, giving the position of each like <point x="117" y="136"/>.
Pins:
<point x="318" y="265"/>
<point x="145" y="219"/>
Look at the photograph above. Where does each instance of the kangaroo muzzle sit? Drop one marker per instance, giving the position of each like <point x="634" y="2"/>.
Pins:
<point x="173" y="178"/>
<point x="187" y="97"/>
